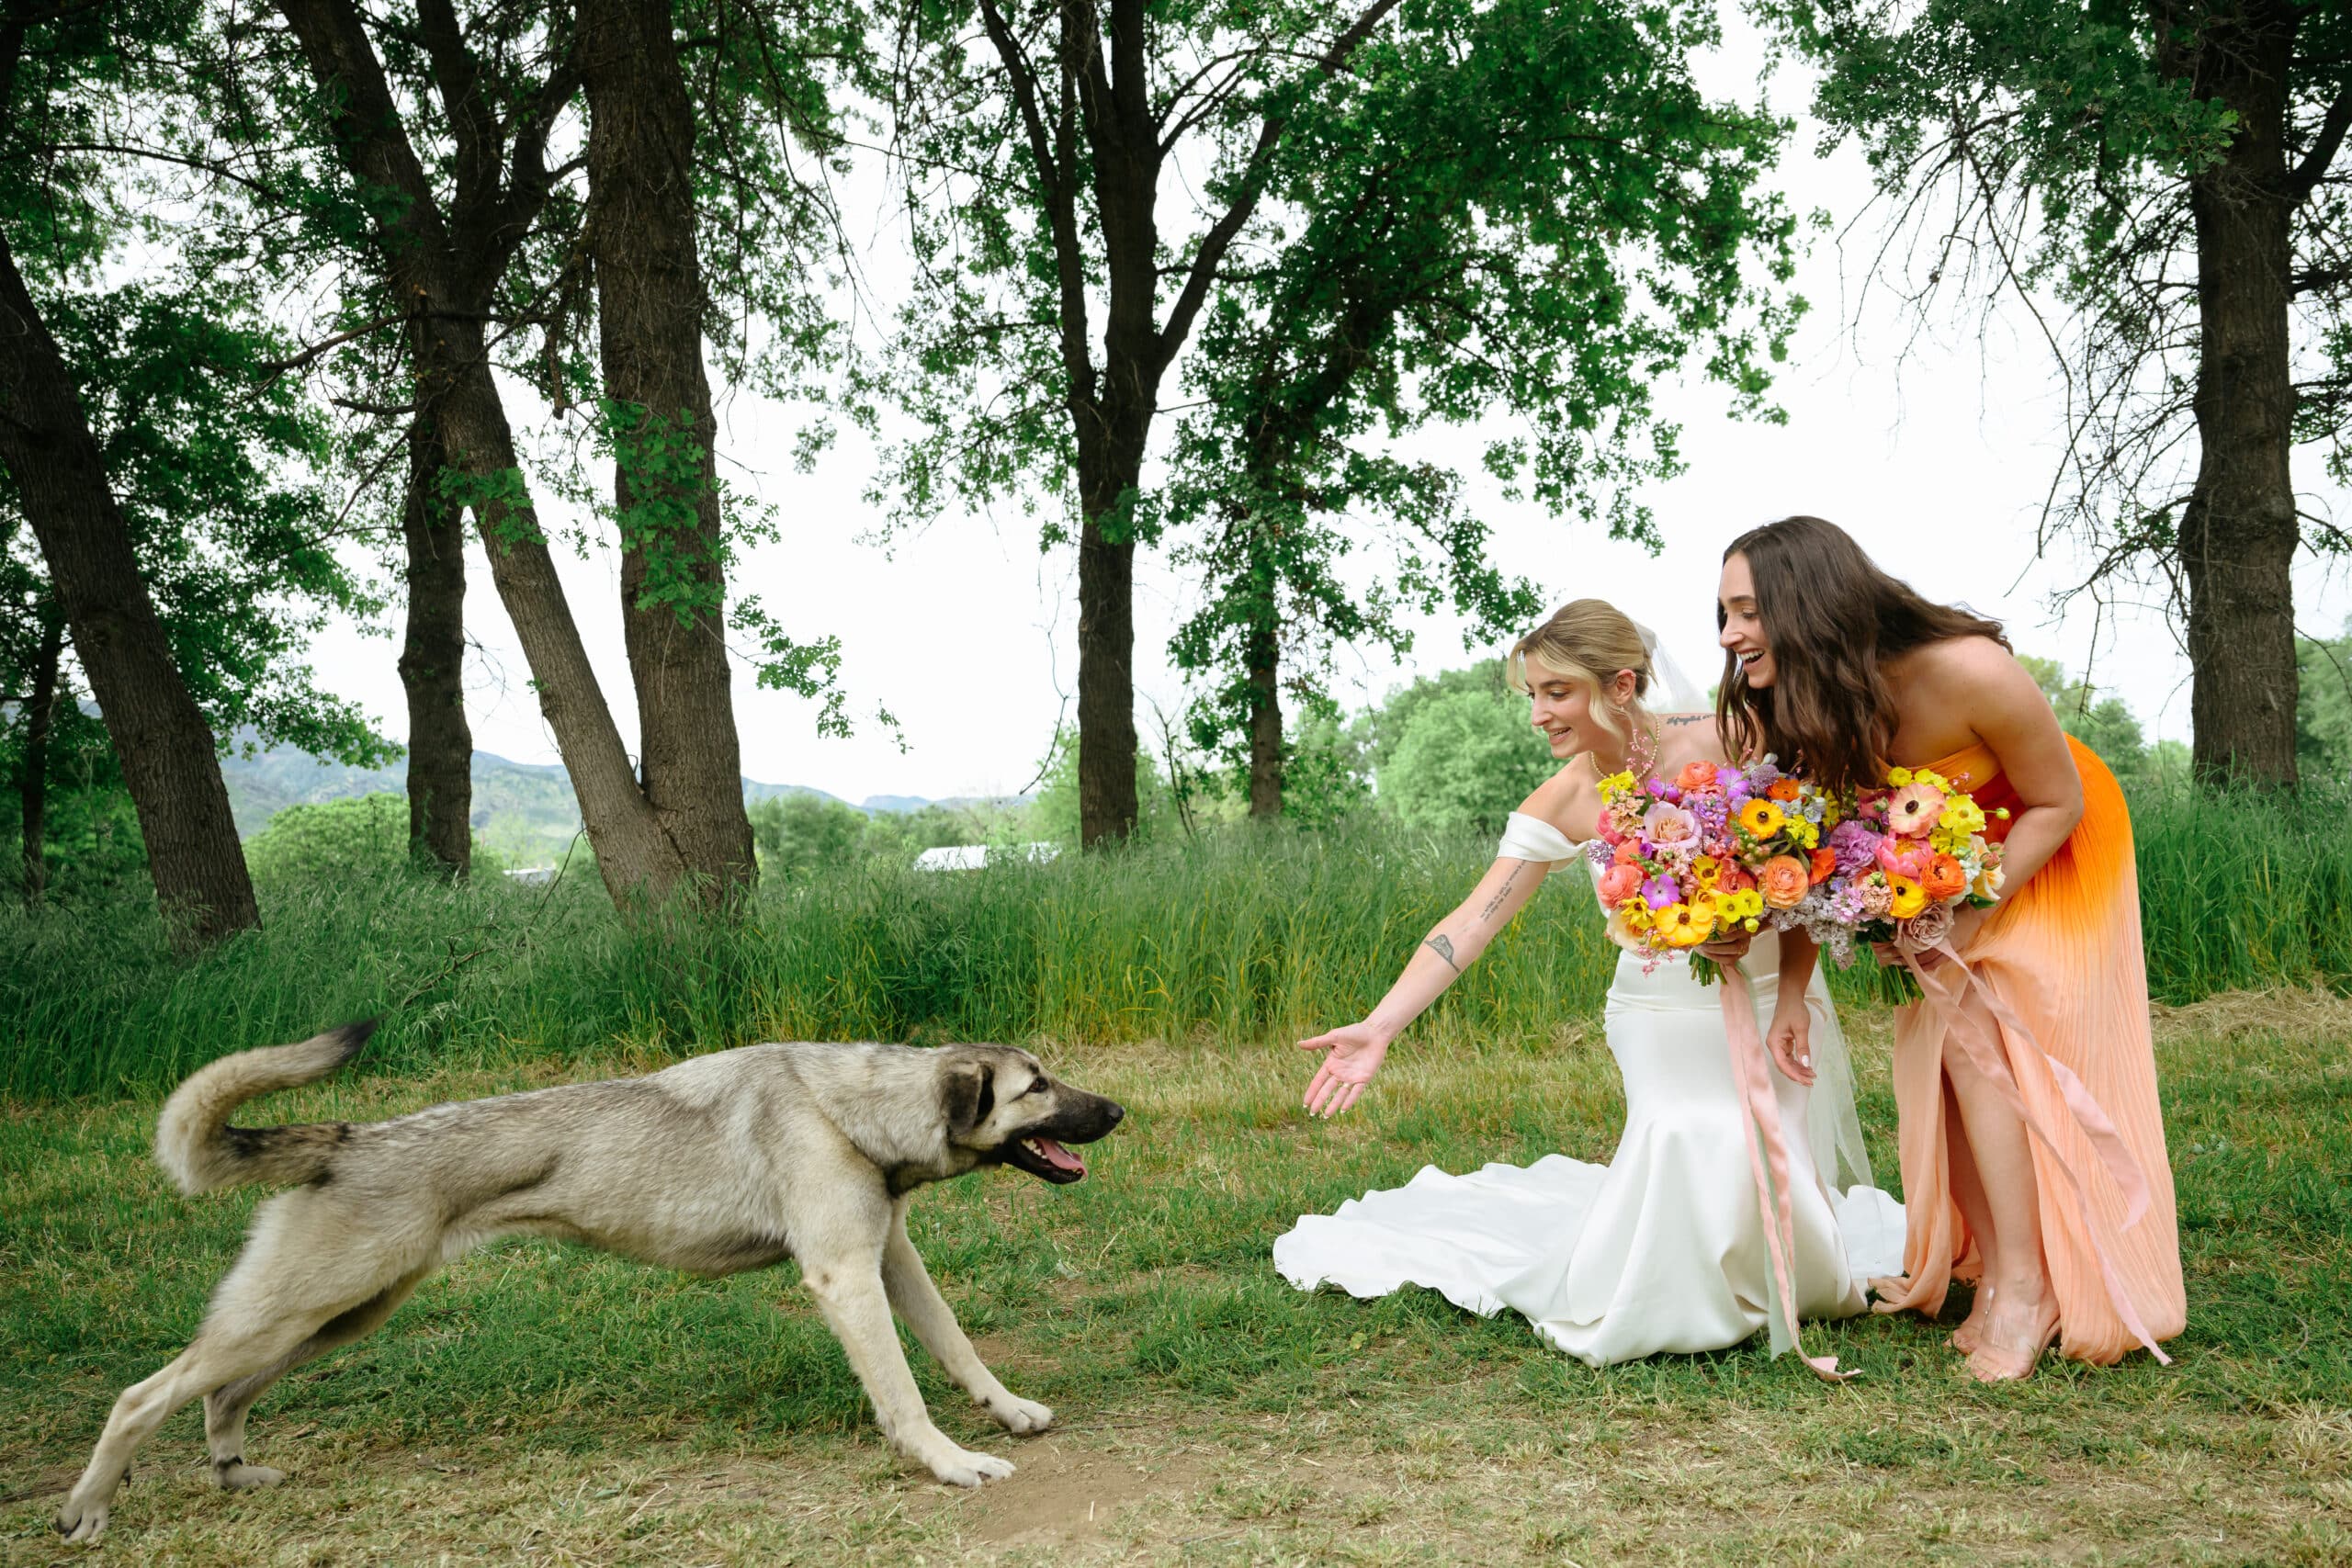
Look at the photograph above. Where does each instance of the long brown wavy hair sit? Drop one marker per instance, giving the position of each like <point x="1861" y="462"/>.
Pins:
<point x="1831" y="617"/>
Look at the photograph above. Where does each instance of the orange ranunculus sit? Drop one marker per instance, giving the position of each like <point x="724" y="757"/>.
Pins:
<point x="1619" y="883"/>
<point x="1825" y="866"/>
<point x="1628" y="852"/>
<point x="1783" y="789"/>
<point x="1782" y="881"/>
<point x="1944" y="877"/>
<point x="1734" y="878"/>
<point x="1695" y="775"/>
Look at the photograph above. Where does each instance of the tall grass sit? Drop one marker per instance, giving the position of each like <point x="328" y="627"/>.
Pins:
<point x="1236" y="936"/>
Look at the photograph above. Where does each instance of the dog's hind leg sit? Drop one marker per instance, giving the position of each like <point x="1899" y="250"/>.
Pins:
<point x="918" y="1300"/>
<point x="848" y="1288"/>
<point x="225" y="1407"/>
<point x="219" y="1355"/>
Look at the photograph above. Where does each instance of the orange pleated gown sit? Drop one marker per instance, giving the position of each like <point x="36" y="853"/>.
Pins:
<point x="2063" y="952"/>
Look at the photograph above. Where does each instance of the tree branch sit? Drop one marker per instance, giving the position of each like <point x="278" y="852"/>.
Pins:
<point x="2308" y="174"/>
<point x="1245" y="200"/>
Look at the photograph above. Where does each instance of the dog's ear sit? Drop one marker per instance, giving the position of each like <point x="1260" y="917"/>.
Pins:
<point x="969" y="1094"/>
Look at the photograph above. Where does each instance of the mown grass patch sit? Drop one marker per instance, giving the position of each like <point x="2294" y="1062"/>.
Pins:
<point x="543" y="1403"/>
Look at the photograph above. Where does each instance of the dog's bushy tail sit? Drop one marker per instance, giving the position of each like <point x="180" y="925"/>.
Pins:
<point x="199" y="1150"/>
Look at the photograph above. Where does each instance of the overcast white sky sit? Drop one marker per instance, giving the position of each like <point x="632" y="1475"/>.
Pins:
<point x="968" y="635"/>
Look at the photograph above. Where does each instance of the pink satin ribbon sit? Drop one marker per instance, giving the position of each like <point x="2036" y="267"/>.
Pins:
<point x="1752" y="1068"/>
<point x="1993" y="1063"/>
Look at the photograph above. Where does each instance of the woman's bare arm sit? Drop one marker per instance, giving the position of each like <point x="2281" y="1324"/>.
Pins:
<point x="2010" y="713"/>
<point x="1455" y="943"/>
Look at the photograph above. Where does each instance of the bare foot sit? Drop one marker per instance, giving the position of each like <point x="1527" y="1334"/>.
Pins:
<point x="2013" y="1337"/>
<point x="1971" y="1331"/>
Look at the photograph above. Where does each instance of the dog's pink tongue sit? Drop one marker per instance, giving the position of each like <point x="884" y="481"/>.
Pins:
<point x="1060" y="1157"/>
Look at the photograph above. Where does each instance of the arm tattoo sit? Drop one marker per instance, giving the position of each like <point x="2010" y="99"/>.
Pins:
<point x="1501" y="893"/>
<point x="1444" y="949"/>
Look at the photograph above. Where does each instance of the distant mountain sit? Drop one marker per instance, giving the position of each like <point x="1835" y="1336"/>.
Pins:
<point x="898" y="804"/>
<point x="525" y="810"/>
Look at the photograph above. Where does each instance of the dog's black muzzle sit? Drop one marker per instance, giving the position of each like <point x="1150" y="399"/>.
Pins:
<point x="1081" y="1118"/>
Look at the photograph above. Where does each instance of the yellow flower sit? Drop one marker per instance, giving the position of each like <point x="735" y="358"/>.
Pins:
<point x="1961" y="817"/>
<point x="1909" y="896"/>
<point x="1616" y="784"/>
<point x="1803" y="833"/>
<point x="1933" y="778"/>
<point x="1898" y="776"/>
<point x="1687" y="925"/>
<point x="1744" y="905"/>
<point x="1704" y="870"/>
<point x="1636" y="913"/>
<point x="1762" y="818"/>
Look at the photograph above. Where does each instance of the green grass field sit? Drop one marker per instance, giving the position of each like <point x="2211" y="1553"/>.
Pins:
<point x="543" y="1405"/>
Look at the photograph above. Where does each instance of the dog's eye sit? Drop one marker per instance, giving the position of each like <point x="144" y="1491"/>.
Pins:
<point x="1037" y="1085"/>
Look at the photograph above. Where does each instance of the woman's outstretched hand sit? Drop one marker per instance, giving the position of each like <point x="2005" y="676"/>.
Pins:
<point x="1351" y="1056"/>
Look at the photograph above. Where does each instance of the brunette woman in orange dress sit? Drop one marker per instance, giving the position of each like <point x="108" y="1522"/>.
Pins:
<point x="1842" y="671"/>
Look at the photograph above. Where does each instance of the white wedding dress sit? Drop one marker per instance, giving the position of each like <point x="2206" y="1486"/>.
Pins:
<point x="1663" y="1249"/>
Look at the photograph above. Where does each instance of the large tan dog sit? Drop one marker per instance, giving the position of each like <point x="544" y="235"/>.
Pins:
<point x="731" y="1161"/>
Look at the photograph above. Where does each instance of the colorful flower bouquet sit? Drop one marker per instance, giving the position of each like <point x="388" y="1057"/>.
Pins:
<point x="1718" y="851"/>
<point x="1722" y="850"/>
<point x="1908" y="856"/>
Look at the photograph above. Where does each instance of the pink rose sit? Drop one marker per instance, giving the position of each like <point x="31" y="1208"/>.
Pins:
<point x="1668" y="824"/>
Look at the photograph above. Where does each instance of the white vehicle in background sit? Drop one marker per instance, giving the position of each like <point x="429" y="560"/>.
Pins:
<point x="972" y="857"/>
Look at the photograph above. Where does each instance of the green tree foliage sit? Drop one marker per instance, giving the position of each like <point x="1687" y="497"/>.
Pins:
<point x="215" y="462"/>
<point x="2107" y="725"/>
<point x="1454" y="751"/>
<point x="2324" y="706"/>
<point x="340" y="840"/>
<point x="1523" y="215"/>
<point x="1062" y="264"/>
<point x="801" y="834"/>
<point x="2166" y="174"/>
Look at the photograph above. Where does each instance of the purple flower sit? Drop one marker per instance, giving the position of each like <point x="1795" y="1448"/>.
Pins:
<point x="1600" y="852"/>
<point x="1660" y="891"/>
<point x="1856" y="843"/>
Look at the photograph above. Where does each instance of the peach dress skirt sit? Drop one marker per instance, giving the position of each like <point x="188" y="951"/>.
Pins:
<point x="2063" y="952"/>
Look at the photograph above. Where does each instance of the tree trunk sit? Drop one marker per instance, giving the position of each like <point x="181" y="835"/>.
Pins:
<point x="432" y="665"/>
<point x="448" y="280"/>
<point x="1263" y="676"/>
<point x="1111" y="466"/>
<point x="2239" y="530"/>
<point x="168" y="756"/>
<point x="32" y="792"/>
<point x="650" y="302"/>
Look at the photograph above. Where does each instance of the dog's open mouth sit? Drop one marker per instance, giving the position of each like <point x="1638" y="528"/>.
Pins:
<point x="1044" y="1158"/>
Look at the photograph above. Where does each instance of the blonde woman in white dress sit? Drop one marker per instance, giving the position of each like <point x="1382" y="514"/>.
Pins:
<point x="1662" y="1249"/>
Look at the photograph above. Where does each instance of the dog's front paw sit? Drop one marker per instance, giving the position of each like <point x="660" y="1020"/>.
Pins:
<point x="1020" y="1415"/>
<point x="963" y="1467"/>
<point x="77" y="1520"/>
